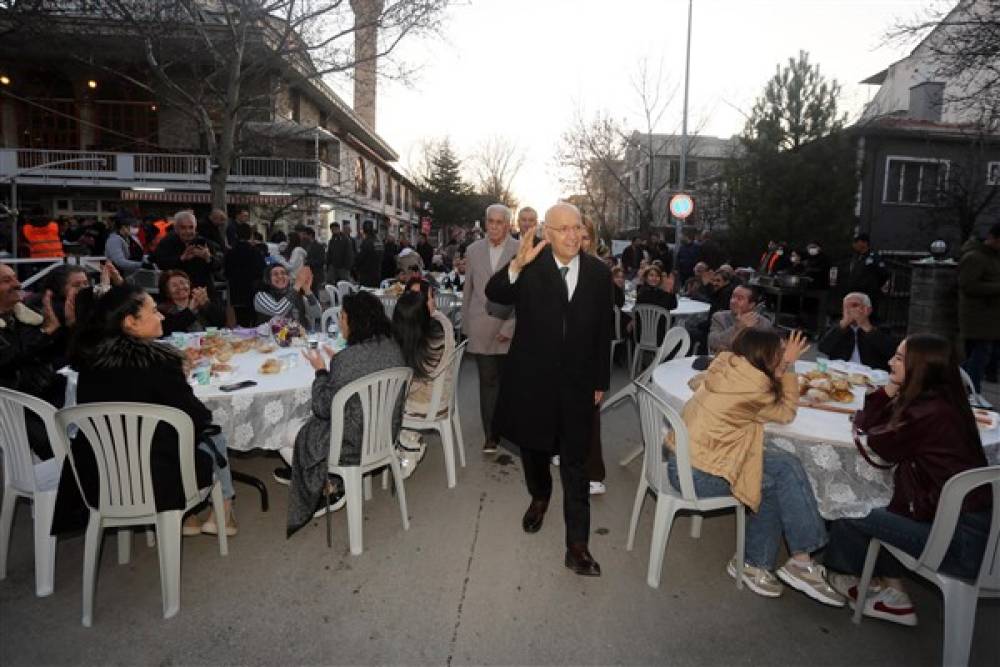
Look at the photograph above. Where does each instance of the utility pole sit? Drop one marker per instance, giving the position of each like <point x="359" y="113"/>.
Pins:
<point x="682" y="175"/>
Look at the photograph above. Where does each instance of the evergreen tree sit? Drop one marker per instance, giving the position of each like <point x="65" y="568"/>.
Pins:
<point x="453" y="200"/>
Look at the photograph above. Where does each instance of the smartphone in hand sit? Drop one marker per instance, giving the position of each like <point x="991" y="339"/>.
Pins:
<point x="238" y="385"/>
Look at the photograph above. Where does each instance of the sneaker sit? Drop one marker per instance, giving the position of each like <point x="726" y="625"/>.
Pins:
<point x="555" y="460"/>
<point x="598" y="488"/>
<point x="811" y="580"/>
<point x="283" y="475"/>
<point x="212" y="528"/>
<point x="847" y="585"/>
<point x="337" y="501"/>
<point x="892" y="605"/>
<point x="757" y="579"/>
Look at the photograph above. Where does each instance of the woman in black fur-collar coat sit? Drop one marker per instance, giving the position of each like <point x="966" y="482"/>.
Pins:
<point x="118" y="358"/>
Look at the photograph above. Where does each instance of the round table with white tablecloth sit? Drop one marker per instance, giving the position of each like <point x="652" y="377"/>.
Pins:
<point x="844" y="483"/>
<point x="255" y="417"/>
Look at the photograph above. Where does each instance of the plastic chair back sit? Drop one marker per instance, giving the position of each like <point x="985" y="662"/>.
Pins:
<point x="677" y="338"/>
<point x="378" y="393"/>
<point x="618" y="325"/>
<point x="454" y="369"/>
<point x="18" y="461"/>
<point x="659" y="421"/>
<point x="345" y="287"/>
<point x="121" y="436"/>
<point x="648" y="319"/>
<point x="438" y="400"/>
<point x="329" y="315"/>
<point x="444" y="302"/>
<point x="334" y="294"/>
<point x="946" y="520"/>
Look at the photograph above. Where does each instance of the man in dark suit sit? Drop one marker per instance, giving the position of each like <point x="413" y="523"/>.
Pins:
<point x="556" y="370"/>
<point x="855" y="338"/>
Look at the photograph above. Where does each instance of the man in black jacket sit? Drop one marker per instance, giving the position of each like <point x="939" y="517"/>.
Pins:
<point x="185" y="250"/>
<point x="368" y="263"/>
<point x="244" y="268"/>
<point x="557" y="369"/>
<point x="426" y="251"/>
<point x="339" y="255"/>
<point x="855" y="338"/>
<point x="315" y="257"/>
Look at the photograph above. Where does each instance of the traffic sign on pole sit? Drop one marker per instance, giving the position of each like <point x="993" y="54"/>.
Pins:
<point x="681" y="206"/>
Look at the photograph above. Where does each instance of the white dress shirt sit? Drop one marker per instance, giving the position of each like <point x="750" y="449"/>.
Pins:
<point x="496" y="251"/>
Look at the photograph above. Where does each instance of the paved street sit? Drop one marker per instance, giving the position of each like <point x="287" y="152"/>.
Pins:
<point x="464" y="586"/>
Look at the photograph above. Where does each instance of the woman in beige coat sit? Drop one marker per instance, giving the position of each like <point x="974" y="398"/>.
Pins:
<point x="741" y="391"/>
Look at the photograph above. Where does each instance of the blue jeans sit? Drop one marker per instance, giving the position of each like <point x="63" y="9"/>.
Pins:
<point x="787" y="506"/>
<point x="977" y="358"/>
<point x="849" y="543"/>
<point x="224" y="475"/>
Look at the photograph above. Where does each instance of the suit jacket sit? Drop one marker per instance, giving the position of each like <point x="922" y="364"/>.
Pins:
<point x="482" y="321"/>
<point x="875" y="347"/>
<point x="723" y="330"/>
<point x="559" y="355"/>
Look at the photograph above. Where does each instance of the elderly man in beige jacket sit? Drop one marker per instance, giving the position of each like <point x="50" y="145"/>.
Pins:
<point x="488" y="326"/>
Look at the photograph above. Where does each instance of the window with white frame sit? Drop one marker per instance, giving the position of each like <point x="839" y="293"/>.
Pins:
<point x="911" y="180"/>
<point x="993" y="173"/>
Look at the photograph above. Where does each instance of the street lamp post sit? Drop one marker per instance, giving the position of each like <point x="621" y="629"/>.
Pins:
<point x="682" y="172"/>
<point x="13" y="190"/>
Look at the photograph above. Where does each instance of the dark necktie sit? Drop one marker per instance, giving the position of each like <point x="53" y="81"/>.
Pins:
<point x="565" y="270"/>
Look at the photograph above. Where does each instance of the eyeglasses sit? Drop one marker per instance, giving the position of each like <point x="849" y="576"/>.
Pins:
<point x="567" y="229"/>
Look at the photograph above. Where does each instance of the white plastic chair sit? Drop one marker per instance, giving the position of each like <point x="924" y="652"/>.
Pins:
<point x="656" y="419"/>
<point x="345" y="287"/>
<point x="677" y="337"/>
<point x="975" y="398"/>
<point x="650" y="318"/>
<point x="121" y="435"/>
<point x="334" y="294"/>
<point x="388" y="282"/>
<point x="960" y="595"/>
<point x="329" y="315"/>
<point x="445" y="303"/>
<point x="620" y="339"/>
<point x="442" y="415"/>
<point x="26" y="478"/>
<point x="378" y="393"/>
<point x="388" y="305"/>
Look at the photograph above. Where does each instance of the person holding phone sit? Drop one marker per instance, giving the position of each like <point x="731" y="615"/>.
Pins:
<point x="744" y="313"/>
<point x="182" y="249"/>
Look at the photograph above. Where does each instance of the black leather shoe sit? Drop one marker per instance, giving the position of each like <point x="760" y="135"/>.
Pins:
<point x="579" y="560"/>
<point x="532" y="520"/>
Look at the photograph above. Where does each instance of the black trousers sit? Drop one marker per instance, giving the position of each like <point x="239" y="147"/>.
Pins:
<point x="490" y="367"/>
<point x="576" y="490"/>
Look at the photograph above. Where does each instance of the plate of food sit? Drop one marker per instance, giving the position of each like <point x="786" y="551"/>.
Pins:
<point x="271" y="366"/>
<point x="818" y="386"/>
<point x="986" y="420"/>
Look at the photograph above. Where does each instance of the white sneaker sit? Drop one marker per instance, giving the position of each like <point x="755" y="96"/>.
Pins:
<point x="555" y="460"/>
<point x="598" y="488"/>
<point x="757" y="579"/>
<point x="811" y="580"/>
<point x="891" y="604"/>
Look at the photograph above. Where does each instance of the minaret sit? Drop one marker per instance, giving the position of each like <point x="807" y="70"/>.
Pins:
<point x="366" y="15"/>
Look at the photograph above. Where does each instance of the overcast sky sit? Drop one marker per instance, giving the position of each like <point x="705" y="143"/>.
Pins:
<point x="521" y="68"/>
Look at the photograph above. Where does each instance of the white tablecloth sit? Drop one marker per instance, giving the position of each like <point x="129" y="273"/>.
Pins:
<point x="255" y="417"/>
<point x="844" y="483"/>
<point x="685" y="308"/>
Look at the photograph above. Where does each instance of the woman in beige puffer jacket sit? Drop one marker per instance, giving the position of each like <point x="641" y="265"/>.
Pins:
<point x="741" y="391"/>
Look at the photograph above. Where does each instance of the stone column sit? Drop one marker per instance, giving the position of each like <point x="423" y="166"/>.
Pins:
<point x="366" y="15"/>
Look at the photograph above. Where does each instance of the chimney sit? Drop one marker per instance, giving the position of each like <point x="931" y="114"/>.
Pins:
<point x="925" y="101"/>
<point x="366" y="15"/>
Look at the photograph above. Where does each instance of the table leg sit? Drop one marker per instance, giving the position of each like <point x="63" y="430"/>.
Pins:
<point x="255" y="482"/>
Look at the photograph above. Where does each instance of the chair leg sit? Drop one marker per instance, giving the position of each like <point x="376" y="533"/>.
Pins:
<point x="636" y="355"/>
<point x="352" y="489"/>
<point x="367" y="484"/>
<point x="741" y="537"/>
<point x="91" y="552"/>
<point x="150" y="536"/>
<point x="662" y="520"/>
<point x="959" y="620"/>
<point x="696" y="526"/>
<point x="866" y="577"/>
<point x="124" y="545"/>
<point x="640" y="498"/>
<point x="168" y="538"/>
<point x="219" y="510"/>
<point x="456" y="423"/>
<point x="397" y="476"/>
<point x="448" y="445"/>
<point x="6" y="522"/>
<point x="45" y="543"/>
<point x="385" y="478"/>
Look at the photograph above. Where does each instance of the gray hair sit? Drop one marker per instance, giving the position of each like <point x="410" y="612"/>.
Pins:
<point x="499" y="207"/>
<point x="865" y="300"/>
<point x="180" y="215"/>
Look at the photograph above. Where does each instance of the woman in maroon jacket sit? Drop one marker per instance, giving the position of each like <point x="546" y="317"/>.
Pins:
<point x="922" y="422"/>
